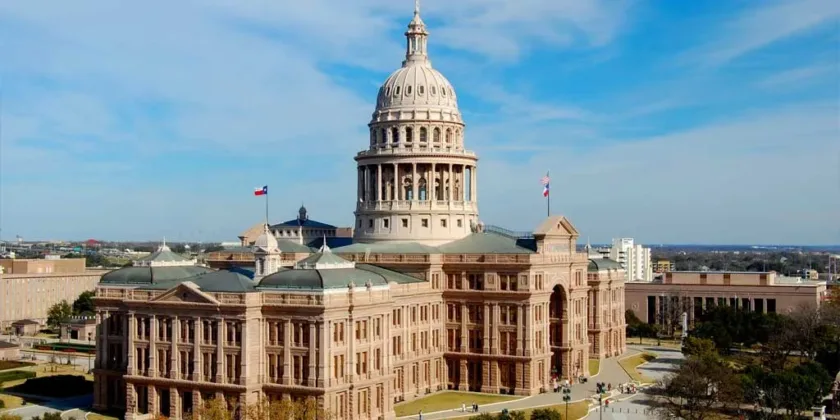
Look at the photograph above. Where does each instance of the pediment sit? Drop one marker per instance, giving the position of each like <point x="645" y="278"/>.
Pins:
<point x="557" y="226"/>
<point x="186" y="292"/>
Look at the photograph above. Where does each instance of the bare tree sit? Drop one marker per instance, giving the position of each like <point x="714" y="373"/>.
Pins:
<point x="674" y="305"/>
<point x="701" y="386"/>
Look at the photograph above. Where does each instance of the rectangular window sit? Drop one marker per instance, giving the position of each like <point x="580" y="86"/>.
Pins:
<point x="405" y="223"/>
<point x="385" y="223"/>
<point x="370" y="223"/>
<point x="459" y="223"/>
<point x="442" y="222"/>
<point x="424" y="223"/>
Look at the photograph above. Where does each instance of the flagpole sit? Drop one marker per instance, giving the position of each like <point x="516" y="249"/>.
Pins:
<point x="266" y="208"/>
<point x="548" y="197"/>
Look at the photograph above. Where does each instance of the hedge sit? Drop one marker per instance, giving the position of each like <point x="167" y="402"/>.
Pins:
<point x="13" y="364"/>
<point x="15" y="375"/>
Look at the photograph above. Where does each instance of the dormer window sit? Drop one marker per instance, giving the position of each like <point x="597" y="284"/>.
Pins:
<point x="408" y="90"/>
<point x="420" y="90"/>
<point x="397" y="91"/>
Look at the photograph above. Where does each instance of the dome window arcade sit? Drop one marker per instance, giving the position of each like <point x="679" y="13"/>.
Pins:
<point x="448" y="136"/>
<point x="409" y="135"/>
<point x="395" y="135"/>
<point x="436" y="135"/>
<point x="423" y="136"/>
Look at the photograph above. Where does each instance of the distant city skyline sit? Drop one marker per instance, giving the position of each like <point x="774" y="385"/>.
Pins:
<point x="651" y="126"/>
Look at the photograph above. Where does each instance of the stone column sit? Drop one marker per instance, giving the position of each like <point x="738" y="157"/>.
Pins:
<point x="465" y="343"/>
<point x="519" y="332"/>
<point x="220" y="350"/>
<point x="197" y="375"/>
<point x="414" y="182"/>
<point x="487" y="329"/>
<point x="396" y="183"/>
<point x="175" y="353"/>
<point x="129" y="343"/>
<point x="359" y="182"/>
<point x="102" y="351"/>
<point x="243" y="353"/>
<point x="450" y="182"/>
<point x="323" y="354"/>
<point x="474" y="183"/>
<point x="310" y="379"/>
<point x="367" y="184"/>
<point x="528" y="323"/>
<point x="379" y="188"/>
<point x="153" y="360"/>
<point x="287" y="353"/>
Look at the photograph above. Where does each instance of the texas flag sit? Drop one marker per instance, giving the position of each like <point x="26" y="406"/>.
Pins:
<point x="261" y="191"/>
<point x="545" y="181"/>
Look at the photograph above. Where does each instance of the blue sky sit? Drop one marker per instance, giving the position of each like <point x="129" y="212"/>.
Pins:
<point x="671" y="121"/>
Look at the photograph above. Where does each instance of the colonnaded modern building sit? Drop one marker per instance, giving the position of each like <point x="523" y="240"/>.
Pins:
<point x="426" y="298"/>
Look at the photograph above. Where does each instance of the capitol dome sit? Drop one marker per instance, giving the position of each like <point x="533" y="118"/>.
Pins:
<point x="416" y="85"/>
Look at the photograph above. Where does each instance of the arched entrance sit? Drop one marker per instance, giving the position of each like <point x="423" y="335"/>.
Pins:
<point x="558" y="339"/>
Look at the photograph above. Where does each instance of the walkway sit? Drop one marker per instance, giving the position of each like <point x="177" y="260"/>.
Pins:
<point x="610" y="372"/>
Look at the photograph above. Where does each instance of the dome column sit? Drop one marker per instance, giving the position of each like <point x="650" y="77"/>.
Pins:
<point x="379" y="182"/>
<point x="414" y="182"/>
<point x="450" y="185"/>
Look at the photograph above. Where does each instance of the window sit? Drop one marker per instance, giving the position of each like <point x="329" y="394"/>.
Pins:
<point x="370" y="223"/>
<point x="420" y="90"/>
<point x="409" y="134"/>
<point x="434" y="91"/>
<point x="360" y="223"/>
<point x="424" y="223"/>
<point x="395" y="135"/>
<point x="408" y="90"/>
<point x="385" y="223"/>
<point x="448" y="135"/>
<point x="436" y="135"/>
<point x="442" y="90"/>
<point x="397" y="91"/>
<point x="423" y="135"/>
<point x="459" y="223"/>
<point x="405" y="223"/>
<point x="442" y="222"/>
<point x="387" y="91"/>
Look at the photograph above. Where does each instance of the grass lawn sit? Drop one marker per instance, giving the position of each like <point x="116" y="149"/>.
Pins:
<point x="576" y="410"/>
<point x="11" y="401"/>
<point x="629" y="364"/>
<point x="448" y="400"/>
<point x="594" y="366"/>
<point x="95" y="416"/>
<point x="49" y="369"/>
<point x="13" y="364"/>
<point x="59" y="386"/>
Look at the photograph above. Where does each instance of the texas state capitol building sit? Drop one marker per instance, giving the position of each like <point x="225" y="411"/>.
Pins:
<point x="425" y="298"/>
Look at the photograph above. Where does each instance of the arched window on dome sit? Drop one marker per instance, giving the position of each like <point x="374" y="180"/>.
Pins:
<point x="397" y="91"/>
<point x="409" y="135"/>
<point x="408" y="190"/>
<point x="421" y="192"/>
<point x="436" y="135"/>
<point x="423" y="135"/>
<point x="388" y="91"/>
<point x="442" y="90"/>
<point x="408" y="90"/>
<point x="395" y="135"/>
<point x="448" y="136"/>
<point x="420" y="90"/>
<point x="434" y="91"/>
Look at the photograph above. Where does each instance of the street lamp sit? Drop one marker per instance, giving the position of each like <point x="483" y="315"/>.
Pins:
<point x="600" y="406"/>
<point x="567" y="397"/>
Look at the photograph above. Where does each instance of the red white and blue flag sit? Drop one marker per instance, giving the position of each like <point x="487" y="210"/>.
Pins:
<point x="545" y="181"/>
<point x="261" y="191"/>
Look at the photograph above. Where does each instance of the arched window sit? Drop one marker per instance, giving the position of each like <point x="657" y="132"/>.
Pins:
<point x="436" y="135"/>
<point x="408" y="90"/>
<point x="395" y="135"/>
<point x="423" y="136"/>
<point x="420" y="90"/>
<point x="448" y="135"/>
<point x="397" y="91"/>
<point x="408" y="191"/>
<point x="384" y="138"/>
<point x="422" y="189"/>
<point x="409" y="135"/>
<point x="442" y="90"/>
<point x="372" y="137"/>
<point x="434" y="91"/>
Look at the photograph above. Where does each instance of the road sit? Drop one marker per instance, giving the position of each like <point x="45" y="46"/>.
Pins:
<point x="68" y="406"/>
<point x="84" y="362"/>
<point x="636" y="407"/>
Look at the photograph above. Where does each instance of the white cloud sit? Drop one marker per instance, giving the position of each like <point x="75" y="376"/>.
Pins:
<point x="800" y="76"/>
<point x="766" y="23"/>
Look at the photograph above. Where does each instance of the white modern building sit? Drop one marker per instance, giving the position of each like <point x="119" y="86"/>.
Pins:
<point x="633" y="257"/>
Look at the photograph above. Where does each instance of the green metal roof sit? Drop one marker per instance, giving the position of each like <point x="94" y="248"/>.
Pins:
<point x="485" y="243"/>
<point x="321" y="258"/>
<point x="387" y="248"/>
<point x="214" y="281"/>
<point x="334" y="278"/>
<point x="286" y="245"/>
<point x="163" y="254"/>
<point x="598" y="264"/>
<point x="151" y="275"/>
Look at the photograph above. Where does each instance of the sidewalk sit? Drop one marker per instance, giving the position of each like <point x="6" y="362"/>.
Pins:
<point x="610" y="372"/>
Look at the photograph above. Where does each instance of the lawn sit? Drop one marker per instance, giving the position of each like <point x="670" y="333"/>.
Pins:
<point x="95" y="416"/>
<point x="594" y="367"/>
<point x="59" y="386"/>
<point x="11" y="401"/>
<point x="629" y="364"/>
<point x="49" y="369"/>
<point x="576" y="410"/>
<point x="448" y="400"/>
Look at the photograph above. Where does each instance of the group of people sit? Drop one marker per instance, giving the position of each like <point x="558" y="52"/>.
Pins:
<point x="474" y="407"/>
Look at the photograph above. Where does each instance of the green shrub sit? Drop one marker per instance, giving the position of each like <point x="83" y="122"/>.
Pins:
<point x="55" y="386"/>
<point x="546" y="414"/>
<point x="483" y="416"/>
<point x="12" y="364"/>
<point x="15" y="375"/>
<point x="2" y="404"/>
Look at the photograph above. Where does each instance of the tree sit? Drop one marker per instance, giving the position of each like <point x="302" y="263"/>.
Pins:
<point x="84" y="303"/>
<point x="694" y="346"/>
<point x="674" y="305"/>
<point x="545" y="414"/>
<point x="794" y="390"/>
<point x="701" y="385"/>
<point x="59" y="314"/>
<point x="221" y="409"/>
